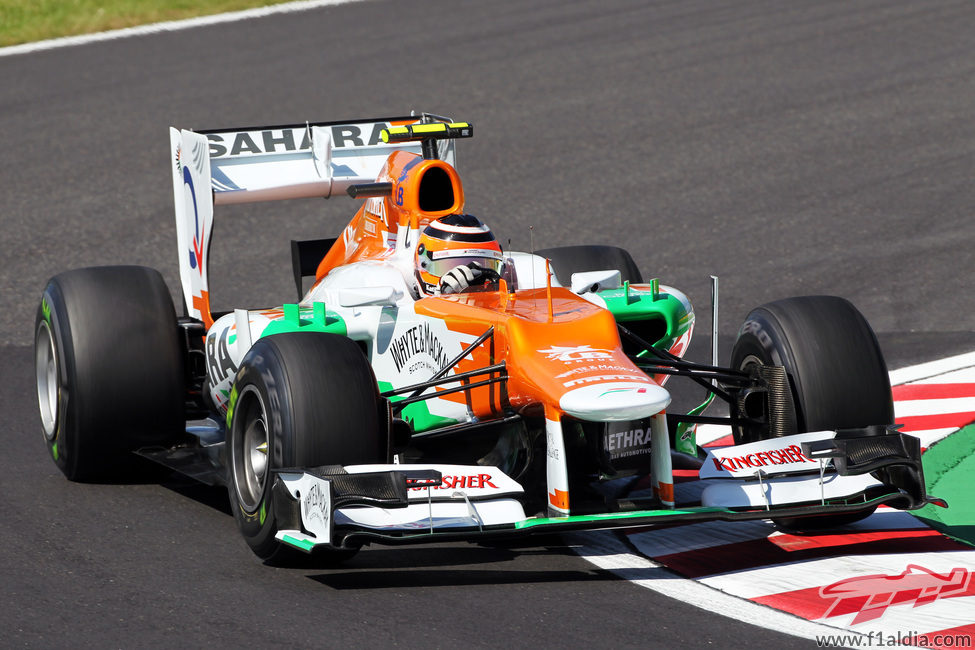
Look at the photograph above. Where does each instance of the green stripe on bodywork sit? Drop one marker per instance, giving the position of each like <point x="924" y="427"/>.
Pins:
<point x="685" y="439"/>
<point x="291" y="313"/>
<point x="307" y="318"/>
<point x="611" y="516"/>
<point x="417" y="413"/>
<point x="948" y="469"/>
<point x="628" y="304"/>
<point x="303" y="544"/>
<point x="421" y="419"/>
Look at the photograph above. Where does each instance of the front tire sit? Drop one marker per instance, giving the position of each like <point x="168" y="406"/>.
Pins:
<point x="108" y="368"/>
<point x="832" y="358"/>
<point x="835" y="369"/>
<point x="299" y="400"/>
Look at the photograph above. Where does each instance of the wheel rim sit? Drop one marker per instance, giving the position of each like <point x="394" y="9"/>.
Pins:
<point x="48" y="389"/>
<point x="250" y="440"/>
<point x="750" y="360"/>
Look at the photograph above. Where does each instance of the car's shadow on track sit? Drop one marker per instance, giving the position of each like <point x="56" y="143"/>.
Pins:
<point x="413" y="578"/>
<point x="214" y="496"/>
<point x="459" y="565"/>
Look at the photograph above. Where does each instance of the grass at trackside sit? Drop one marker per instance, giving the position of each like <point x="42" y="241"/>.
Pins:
<point x="23" y="21"/>
<point x="949" y="471"/>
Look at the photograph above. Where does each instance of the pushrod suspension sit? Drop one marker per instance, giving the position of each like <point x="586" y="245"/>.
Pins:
<point x="695" y="371"/>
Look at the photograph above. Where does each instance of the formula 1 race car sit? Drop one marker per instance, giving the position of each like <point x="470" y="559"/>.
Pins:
<point x="431" y="386"/>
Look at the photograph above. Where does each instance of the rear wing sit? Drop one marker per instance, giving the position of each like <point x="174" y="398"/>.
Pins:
<point x="244" y="165"/>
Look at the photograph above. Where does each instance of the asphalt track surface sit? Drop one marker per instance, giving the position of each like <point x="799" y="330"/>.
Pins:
<point x="789" y="148"/>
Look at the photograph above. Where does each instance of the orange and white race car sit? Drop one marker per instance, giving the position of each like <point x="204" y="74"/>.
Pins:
<point x="430" y="385"/>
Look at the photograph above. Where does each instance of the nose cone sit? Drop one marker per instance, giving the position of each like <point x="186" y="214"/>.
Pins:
<point x="615" y="401"/>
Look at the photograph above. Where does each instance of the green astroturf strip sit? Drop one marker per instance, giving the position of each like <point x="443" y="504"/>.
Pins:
<point x="949" y="471"/>
<point x="23" y="21"/>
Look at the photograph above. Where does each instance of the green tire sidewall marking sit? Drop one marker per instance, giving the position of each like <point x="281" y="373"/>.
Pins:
<point x="949" y="466"/>
<point x="231" y="405"/>
<point x="58" y="422"/>
<point x="263" y="513"/>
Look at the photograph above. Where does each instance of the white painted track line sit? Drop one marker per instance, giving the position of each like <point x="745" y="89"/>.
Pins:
<point x="932" y="369"/>
<point x="170" y="26"/>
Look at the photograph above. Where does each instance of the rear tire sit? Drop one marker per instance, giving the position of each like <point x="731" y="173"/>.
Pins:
<point x="567" y="260"/>
<point x="299" y="400"/>
<point x="835" y="367"/>
<point x="109" y="368"/>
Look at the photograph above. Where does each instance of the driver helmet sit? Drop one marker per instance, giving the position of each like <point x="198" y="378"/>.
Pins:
<point x="452" y="241"/>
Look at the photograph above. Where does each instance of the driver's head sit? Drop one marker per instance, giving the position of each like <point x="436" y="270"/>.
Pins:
<point x="452" y="241"/>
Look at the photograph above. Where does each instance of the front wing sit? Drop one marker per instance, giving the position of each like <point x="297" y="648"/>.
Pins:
<point x="342" y="507"/>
